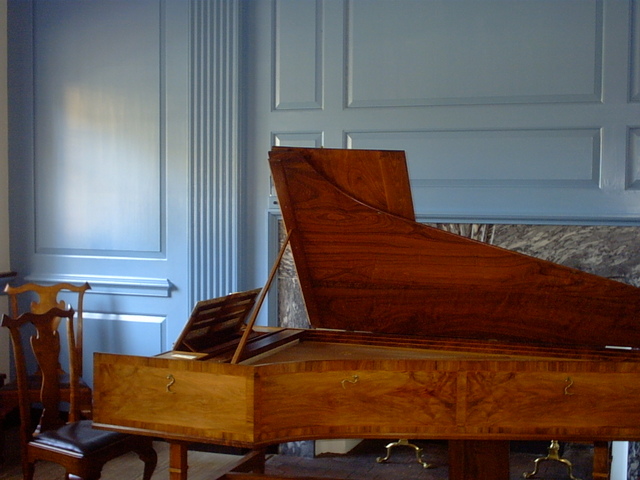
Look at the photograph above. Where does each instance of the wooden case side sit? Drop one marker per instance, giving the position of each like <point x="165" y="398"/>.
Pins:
<point x="174" y="399"/>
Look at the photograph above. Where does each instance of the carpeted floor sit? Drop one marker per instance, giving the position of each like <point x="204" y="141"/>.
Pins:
<point x="361" y="464"/>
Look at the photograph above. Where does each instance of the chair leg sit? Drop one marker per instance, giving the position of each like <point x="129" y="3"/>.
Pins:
<point x="148" y="455"/>
<point x="3" y="429"/>
<point x="2" y="434"/>
<point x="28" y="470"/>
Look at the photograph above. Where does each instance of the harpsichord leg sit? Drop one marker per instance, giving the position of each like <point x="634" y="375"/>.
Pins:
<point x="403" y="442"/>
<point x="478" y="459"/>
<point x="601" y="460"/>
<point x="554" y="456"/>
<point x="178" y="464"/>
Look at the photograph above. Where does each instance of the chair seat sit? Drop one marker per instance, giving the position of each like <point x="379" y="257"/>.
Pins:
<point x="78" y="437"/>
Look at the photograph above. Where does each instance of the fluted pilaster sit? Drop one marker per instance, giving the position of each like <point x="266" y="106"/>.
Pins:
<point x="214" y="137"/>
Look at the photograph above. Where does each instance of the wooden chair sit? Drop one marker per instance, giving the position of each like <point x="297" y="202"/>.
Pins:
<point x="47" y="299"/>
<point x="72" y="443"/>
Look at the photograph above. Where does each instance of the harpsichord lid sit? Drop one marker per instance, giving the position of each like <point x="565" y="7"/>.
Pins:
<point x="365" y="264"/>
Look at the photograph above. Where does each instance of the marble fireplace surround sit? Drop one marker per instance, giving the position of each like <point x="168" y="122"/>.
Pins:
<point x="607" y="251"/>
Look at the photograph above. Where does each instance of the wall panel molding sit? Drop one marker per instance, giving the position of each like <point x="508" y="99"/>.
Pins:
<point x="298" y="139"/>
<point x="214" y="147"/>
<point x="121" y="333"/>
<point x="633" y="159"/>
<point x="634" y="63"/>
<point x="112" y="285"/>
<point x="468" y="53"/>
<point x="97" y="122"/>
<point x="123" y="317"/>
<point x="541" y="158"/>
<point x="298" y="46"/>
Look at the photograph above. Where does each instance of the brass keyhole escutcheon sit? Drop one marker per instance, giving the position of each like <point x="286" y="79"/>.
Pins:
<point x="354" y="379"/>
<point x="172" y="380"/>
<point x="568" y="386"/>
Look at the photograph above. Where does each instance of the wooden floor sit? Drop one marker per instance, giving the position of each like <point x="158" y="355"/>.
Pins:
<point x="359" y="464"/>
<point x="125" y="468"/>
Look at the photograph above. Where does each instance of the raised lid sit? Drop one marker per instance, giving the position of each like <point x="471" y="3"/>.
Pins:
<point x="364" y="264"/>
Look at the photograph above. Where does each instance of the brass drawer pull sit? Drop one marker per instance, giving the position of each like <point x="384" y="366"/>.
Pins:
<point x="172" y="380"/>
<point x="354" y="379"/>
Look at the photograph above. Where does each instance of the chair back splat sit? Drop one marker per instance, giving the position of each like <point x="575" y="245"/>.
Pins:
<point x="46" y="349"/>
<point x="48" y="299"/>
